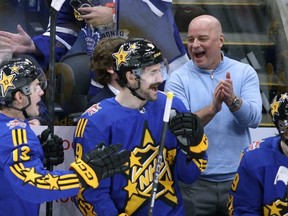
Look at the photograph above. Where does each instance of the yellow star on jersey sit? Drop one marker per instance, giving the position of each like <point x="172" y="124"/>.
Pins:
<point x="131" y="188"/>
<point x="52" y="181"/>
<point x="30" y="175"/>
<point x="274" y="209"/>
<point x="135" y="160"/>
<point x="121" y="57"/>
<point x="167" y="183"/>
<point x="6" y="83"/>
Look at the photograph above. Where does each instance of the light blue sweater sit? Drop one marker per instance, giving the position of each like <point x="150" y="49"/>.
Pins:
<point x="228" y="133"/>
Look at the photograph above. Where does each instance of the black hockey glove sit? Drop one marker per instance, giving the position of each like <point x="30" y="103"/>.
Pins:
<point x="100" y="163"/>
<point x="190" y="134"/>
<point x="52" y="147"/>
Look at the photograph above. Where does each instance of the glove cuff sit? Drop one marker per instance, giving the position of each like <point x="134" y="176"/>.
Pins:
<point x="85" y="172"/>
<point x="201" y="147"/>
<point x="198" y="151"/>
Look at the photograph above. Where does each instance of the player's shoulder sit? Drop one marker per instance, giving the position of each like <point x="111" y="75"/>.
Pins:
<point x="264" y="148"/>
<point x="103" y="105"/>
<point x="263" y="144"/>
<point x="107" y="110"/>
<point x="9" y="124"/>
<point x="14" y="132"/>
<point x="260" y="155"/>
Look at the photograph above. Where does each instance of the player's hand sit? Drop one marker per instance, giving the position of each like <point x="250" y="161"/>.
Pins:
<point x="190" y="134"/>
<point x="52" y="147"/>
<point x="100" y="163"/>
<point x="17" y="43"/>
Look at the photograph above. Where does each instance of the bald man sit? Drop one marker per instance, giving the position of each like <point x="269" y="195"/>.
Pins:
<point x="225" y="94"/>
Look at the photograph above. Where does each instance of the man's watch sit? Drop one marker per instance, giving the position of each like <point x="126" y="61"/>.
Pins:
<point x="236" y="104"/>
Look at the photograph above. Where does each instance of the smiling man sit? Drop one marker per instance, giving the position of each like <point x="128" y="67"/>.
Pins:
<point x="225" y="95"/>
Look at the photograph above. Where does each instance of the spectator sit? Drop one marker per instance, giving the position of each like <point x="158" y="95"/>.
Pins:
<point x="135" y="119"/>
<point x="260" y="184"/>
<point x="225" y="95"/>
<point x="24" y="182"/>
<point x="152" y="20"/>
<point x="102" y="65"/>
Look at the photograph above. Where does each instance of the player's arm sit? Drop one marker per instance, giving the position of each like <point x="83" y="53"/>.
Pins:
<point x="245" y="197"/>
<point x="192" y="140"/>
<point x="99" y="201"/>
<point x="23" y="158"/>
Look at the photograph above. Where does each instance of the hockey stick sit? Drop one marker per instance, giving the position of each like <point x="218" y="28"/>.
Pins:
<point x="51" y="89"/>
<point x="166" y="116"/>
<point x="55" y="7"/>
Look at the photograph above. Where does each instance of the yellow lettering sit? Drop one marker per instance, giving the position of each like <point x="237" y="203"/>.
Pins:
<point x="235" y="182"/>
<point x="24" y="153"/>
<point x="78" y="151"/>
<point x="15" y="155"/>
<point x="145" y="180"/>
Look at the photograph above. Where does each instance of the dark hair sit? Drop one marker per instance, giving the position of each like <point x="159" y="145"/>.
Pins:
<point x="102" y="58"/>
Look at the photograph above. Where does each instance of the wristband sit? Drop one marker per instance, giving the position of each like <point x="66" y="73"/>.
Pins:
<point x="86" y="172"/>
<point x="201" y="147"/>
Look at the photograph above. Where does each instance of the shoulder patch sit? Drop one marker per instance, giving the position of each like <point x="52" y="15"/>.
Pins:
<point x="93" y="109"/>
<point x="254" y="145"/>
<point x="14" y="123"/>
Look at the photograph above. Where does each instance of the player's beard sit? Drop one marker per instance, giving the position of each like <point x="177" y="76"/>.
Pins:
<point x="150" y="94"/>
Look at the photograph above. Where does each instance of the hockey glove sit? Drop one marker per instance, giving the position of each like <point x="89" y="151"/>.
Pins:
<point x="190" y="134"/>
<point x="52" y="147"/>
<point x="100" y="163"/>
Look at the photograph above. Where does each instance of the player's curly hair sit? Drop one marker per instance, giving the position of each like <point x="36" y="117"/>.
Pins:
<point x="102" y="58"/>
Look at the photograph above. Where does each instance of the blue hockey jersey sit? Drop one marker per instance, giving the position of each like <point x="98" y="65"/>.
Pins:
<point x="138" y="130"/>
<point x="24" y="183"/>
<point x="260" y="184"/>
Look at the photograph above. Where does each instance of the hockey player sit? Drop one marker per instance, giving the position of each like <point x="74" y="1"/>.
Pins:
<point x="134" y="118"/>
<point x="24" y="182"/>
<point x="261" y="182"/>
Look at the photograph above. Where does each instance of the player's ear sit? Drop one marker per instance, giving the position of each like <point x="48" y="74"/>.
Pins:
<point x="18" y="96"/>
<point x="130" y="77"/>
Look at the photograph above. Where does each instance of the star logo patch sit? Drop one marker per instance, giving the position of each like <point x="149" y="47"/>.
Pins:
<point x="14" y="69"/>
<point x="6" y="82"/>
<point x="121" y="57"/>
